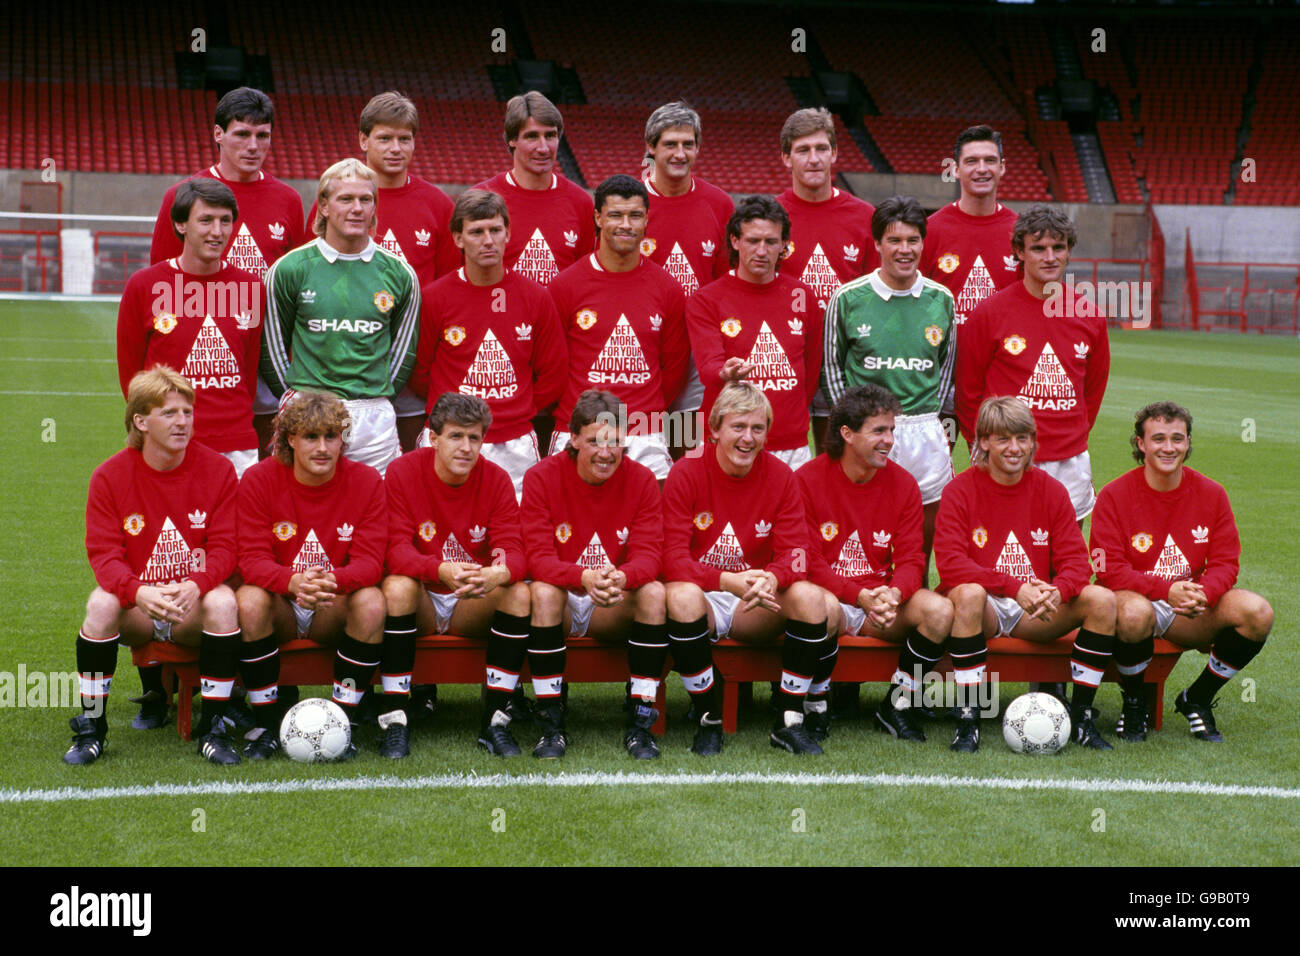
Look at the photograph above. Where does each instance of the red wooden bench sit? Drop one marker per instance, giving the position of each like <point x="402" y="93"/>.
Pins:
<point x="439" y="659"/>
<point x="869" y="660"/>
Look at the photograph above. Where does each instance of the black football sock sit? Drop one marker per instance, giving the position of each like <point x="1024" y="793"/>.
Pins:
<point x="647" y="650"/>
<point x="1229" y="654"/>
<point x="969" y="656"/>
<point x="151" y="679"/>
<point x="354" y="667"/>
<point x="218" y="661"/>
<point x="96" y="660"/>
<point x="507" y="644"/>
<point x="918" y="657"/>
<point x="546" y="660"/>
<point x="1131" y="661"/>
<point x="1088" y="662"/>
<point x="820" y="690"/>
<point x="693" y="658"/>
<point x="259" y="667"/>
<point x="801" y="651"/>
<point x="397" y="661"/>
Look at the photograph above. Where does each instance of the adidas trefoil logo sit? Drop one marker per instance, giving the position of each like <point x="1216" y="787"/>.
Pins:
<point x="656" y="321"/>
<point x="762" y="528"/>
<point x="244" y="320"/>
<point x="1201" y="534"/>
<point x="707" y="247"/>
<point x="308" y="296"/>
<point x="1039" y="535"/>
<point x="622" y="535"/>
<point x="345" y="531"/>
<point x="524" y="332"/>
<point x="570" y="238"/>
<point x="1081" y="350"/>
<point x="881" y="539"/>
<point x="276" y="230"/>
<point x="477" y="533"/>
<point x="864" y="331"/>
<point x="796" y="326"/>
<point x="1010" y="262"/>
<point x="197" y="518"/>
<point x="422" y="237"/>
<point x="851" y="253"/>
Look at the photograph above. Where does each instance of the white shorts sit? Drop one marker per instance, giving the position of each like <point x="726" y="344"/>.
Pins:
<point x="854" y="618"/>
<point x="1164" y="617"/>
<point x="444" y="606"/>
<point x="516" y="456"/>
<point x="265" y="402"/>
<point x="407" y="404"/>
<point x="795" y="457"/>
<point x="650" y="450"/>
<point x="303" y="617"/>
<point x="242" y="460"/>
<point x="723" y="604"/>
<point x="692" y="395"/>
<point x="374" y="432"/>
<point x="580" y="608"/>
<point x="1009" y="613"/>
<point x="162" y="631"/>
<point x="921" y="446"/>
<point x="1076" y="474"/>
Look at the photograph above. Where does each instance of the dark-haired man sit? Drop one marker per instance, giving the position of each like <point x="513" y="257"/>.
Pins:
<point x="1171" y="550"/>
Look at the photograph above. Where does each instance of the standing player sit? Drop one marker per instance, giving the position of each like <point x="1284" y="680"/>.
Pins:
<point x="160" y="534"/>
<point x="1044" y="343"/>
<point x="864" y="514"/>
<point x="552" y="216"/>
<point x="624" y="326"/>
<point x="594" y="531"/>
<point x="200" y="314"/>
<point x="1171" y="552"/>
<point x="830" y="230"/>
<point x="456" y="565"/>
<point x="486" y="330"/>
<point x="734" y="531"/>
<point x="342" y="315"/>
<point x="1012" y="561"/>
<point x="758" y="325"/>
<point x="895" y="328"/>
<point x="312" y="528"/>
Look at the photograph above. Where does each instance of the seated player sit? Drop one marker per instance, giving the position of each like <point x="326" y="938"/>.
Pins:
<point x="312" y="527"/>
<point x="594" y="532"/>
<point x="455" y="563"/>
<point x="734" y="533"/>
<point x="864" y="514"/>
<point x="1012" y="561"/>
<point x="160" y="534"/>
<point x="1171" y="550"/>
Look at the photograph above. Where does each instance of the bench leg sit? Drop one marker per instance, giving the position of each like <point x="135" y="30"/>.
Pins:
<point x="730" y="704"/>
<point x="1156" y="703"/>
<point x="185" y="708"/>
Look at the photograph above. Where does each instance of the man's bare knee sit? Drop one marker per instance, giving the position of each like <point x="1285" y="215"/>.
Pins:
<point x="804" y="601"/>
<point x="1258" y="618"/>
<point x="220" y="610"/>
<point x="518" y="600"/>
<point x="401" y="594"/>
<point x="547" y="604"/>
<point x="651" y="603"/>
<point x="103" y="614"/>
<point x="936" y="616"/>
<point x="1098" y="606"/>
<point x="1135" y="618"/>
<point x="366" y="612"/>
<point x="255" y="608"/>
<point x="685" y="601"/>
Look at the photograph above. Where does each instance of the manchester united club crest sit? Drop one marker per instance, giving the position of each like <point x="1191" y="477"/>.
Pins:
<point x="829" y="530"/>
<point x="284" y="530"/>
<point x="454" y="335"/>
<point x="648" y="246"/>
<point x="980" y="536"/>
<point x="1143" y="541"/>
<point x="731" y="327"/>
<point x="586" y="318"/>
<point x="949" y="262"/>
<point x="563" y="532"/>
<point x="427" y="530"/>
<point x="164" y="322"/>
<point x="703" y="519"/>
<point x="934" y="335"/>
<point x="133" y="524"/>
<point x="383" y="300"/>
<point x="1014" y="344"/>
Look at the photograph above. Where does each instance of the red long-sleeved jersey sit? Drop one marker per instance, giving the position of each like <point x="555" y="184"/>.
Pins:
<point x="550" y="229"/>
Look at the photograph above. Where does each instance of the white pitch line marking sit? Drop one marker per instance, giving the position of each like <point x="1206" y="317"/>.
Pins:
<point x="602" y="779"/>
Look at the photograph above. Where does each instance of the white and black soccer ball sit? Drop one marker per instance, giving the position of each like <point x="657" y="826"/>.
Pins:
<point x="315" y="730"/>
<point x="1036" y="723"/>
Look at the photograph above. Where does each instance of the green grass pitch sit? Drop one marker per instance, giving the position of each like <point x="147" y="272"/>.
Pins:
<point x="62" y="414"/>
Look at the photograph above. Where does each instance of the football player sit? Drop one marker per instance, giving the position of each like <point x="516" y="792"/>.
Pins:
<point x="594" y="532"/>
<point x="1170" y="548"/>
<point x="160" y="535"/>
<point x="735" y="535"/>
<point x="1013" y="562"/>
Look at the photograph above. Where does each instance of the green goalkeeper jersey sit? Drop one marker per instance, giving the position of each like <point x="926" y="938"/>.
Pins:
<point x="901" y="341"/>
<point x="346" y="324"/>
